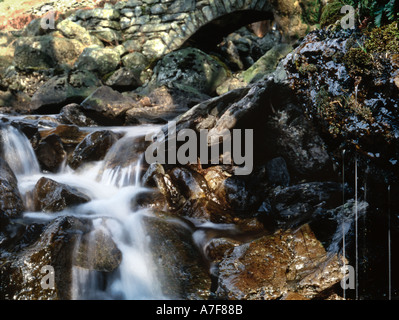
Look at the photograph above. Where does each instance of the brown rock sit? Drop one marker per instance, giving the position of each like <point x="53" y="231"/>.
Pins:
<point x="51" y="196"/>
<point x="51" y="153"/>
<point x="274" y="265"/>
<point x="108" y="103"/>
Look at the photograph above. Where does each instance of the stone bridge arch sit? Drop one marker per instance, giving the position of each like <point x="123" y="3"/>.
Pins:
<point x="157" y="27"/>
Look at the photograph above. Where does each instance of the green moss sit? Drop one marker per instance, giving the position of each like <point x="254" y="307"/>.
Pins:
<point x="331" y="13"/>
<point x="307" y="68"/>
<point x="383" y="39"/>
<point x="311" y="11"/>
<point x="322" y="100"/>
<point x="358" y="62"/>
<point x="223" y="65"/>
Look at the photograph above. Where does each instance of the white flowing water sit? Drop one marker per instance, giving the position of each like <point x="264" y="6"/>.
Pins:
<point x="18" y="152"/>
<point x="111" y="187"/>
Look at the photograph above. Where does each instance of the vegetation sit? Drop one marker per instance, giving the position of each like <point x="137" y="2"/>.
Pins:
<point x="379" y="13"/>
<point x="383" y="39"/>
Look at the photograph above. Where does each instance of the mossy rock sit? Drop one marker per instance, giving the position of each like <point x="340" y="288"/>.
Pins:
<point x="384" y="39"/>
<point x="331" y="13"/>
<point x="358" y="61"/>
<point x="267" y="63"/>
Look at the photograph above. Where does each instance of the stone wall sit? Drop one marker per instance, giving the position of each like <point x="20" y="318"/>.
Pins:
<point x="157" y="27"/>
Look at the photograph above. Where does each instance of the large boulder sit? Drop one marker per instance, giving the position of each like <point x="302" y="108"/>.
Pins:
<point x="93" y="147"/>
<point x="27" y="273"/>
<point x="72" y="30"/>
<point x="60" y="90"/>
<point x="73" y="114"/>
<point x="190" y="70"/>
<point x="179" y="267"/>
<point x="97" y="251"/>
<point x="108" y="103"/>
<point x="41" y="53"/>
<point x="52" y="196"/>
<point x="98" y="60"/>
<point x="274" y="265"/>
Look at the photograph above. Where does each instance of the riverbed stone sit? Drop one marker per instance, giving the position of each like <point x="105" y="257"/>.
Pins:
<point x="274" y="265"/>
<point x="52" y="196"/>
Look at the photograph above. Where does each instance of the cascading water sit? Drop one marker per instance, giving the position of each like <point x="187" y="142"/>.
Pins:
<point x="112" y="185"/>
<point x="17" y="151"/>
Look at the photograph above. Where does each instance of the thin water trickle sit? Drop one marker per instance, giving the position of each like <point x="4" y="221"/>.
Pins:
<point x="343" y="225"/>
<point x="389" y="246"/>
<point x="356" y="237"/>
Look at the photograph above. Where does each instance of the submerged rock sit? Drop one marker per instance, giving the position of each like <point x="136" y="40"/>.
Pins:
<point x="97" y="251"/>
<point x="181" y="271"/>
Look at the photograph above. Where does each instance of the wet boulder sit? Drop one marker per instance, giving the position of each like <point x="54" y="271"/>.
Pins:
<point x="73" y="114"/>
<point x="50" y="153"/>
<point x="204" y="210"/>
<point x="236" y="195"/>
<point x="191" y="184"/>
<point x="93" y="147"/>
<point x="97" y="251"/>
<point x="11" y="204"/>
<point x="179" y="267"/>
<point x="150" y="198"/>
<point x="296" y="204"/>
<point x="52" y="196"/>
<point x="156" y="176"/>
<point x="69" y="134"/>
<point x="274" y="265"/>
<point x="43" y="269"/>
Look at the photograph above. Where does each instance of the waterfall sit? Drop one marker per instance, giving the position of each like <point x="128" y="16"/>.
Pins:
<point x="112" y="213"/>
<point x="112" y="185"/>
<point x="18" y="152"/>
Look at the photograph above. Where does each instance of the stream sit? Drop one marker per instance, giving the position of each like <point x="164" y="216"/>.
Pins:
<point x="111" y="192"/>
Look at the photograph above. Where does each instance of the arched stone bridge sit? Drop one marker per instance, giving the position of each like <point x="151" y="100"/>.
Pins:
<point x="157" y="27"/>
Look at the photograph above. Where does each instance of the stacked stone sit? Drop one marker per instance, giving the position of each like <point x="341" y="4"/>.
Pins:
<point x="104" y="23"/>
<point x="156" y="27"/>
